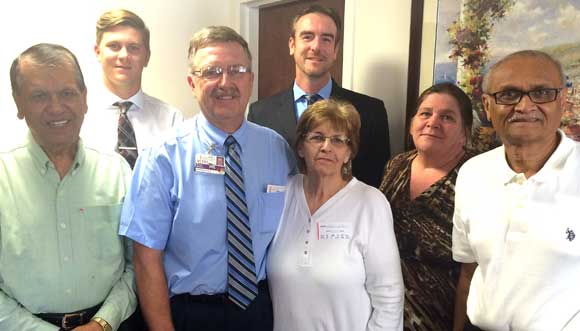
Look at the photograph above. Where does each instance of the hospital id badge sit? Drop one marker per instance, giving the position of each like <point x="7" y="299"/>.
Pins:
<point x="210" y="164"/>
<point x="334" y="231"/>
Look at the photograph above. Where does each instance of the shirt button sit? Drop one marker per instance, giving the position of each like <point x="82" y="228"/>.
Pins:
<point x="305" y="253"/>
<point x="306" y="242"/>
<point x="307" y="231"/>
<point x="63" y="226"/>
<point x="68" y="291"/>
<point x="65" y="259"/>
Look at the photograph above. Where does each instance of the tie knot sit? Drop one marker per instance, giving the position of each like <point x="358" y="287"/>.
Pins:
<point x="311" y="98"/>
<point x="230" y="142"/>
<point x="123" y="106"/>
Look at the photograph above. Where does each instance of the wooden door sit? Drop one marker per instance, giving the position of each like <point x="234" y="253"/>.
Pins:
<point x="276" y="66"/>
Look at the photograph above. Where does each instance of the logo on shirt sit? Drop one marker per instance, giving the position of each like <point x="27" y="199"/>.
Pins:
<point x="570" y="235"/>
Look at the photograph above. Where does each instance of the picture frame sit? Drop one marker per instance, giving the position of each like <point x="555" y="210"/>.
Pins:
<point x="484" y="31"/>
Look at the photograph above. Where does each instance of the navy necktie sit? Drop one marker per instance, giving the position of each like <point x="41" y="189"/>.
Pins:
<point x="242" y="280"/>
<point x="311" y="98"/>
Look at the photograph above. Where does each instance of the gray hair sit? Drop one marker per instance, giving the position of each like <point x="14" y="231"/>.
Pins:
<point x="524" y="53"/>
<point x="215" y="34"/>
<point x="45" y="54"/>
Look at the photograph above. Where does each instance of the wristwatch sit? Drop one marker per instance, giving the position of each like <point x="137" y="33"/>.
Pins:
<point x="104" y="324"/>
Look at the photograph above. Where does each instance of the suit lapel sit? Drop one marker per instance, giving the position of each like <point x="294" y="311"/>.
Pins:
<point x="287" y="116"/>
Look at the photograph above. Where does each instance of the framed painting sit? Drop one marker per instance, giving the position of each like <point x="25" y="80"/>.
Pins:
<point x="462" y="38"/>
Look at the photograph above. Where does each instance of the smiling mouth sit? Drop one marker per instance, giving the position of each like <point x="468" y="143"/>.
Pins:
<point x="58" y="124"/>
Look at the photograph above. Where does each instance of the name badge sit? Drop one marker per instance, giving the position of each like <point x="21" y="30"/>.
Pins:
<point x="210" y="164"/>
<point x="334" y="231"/>
<point x="275" y="188"/>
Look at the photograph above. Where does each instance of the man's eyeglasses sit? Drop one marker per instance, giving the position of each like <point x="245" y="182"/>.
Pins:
<point x="215" y="72"/>
<point x="513" y="97"/>
<point x="319" y="139"/>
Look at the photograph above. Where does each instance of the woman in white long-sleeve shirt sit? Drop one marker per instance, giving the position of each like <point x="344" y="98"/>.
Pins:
<point x="334" y="263"/>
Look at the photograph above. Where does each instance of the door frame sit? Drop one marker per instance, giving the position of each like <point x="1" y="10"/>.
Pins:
<point x="249" y="29"/>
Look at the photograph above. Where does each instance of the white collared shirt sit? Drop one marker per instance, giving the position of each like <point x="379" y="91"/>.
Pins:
<point x="525" y="236"/>
<point x="150" y="118"/>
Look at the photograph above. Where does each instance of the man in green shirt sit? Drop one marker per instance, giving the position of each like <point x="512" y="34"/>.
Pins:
<point x="62" y="264"/>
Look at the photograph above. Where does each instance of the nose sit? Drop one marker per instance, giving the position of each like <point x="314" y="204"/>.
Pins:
<point x="123" y="53"/>
<point x="326" y="144"/>
<point x="315" y="44"/>
<point x="525" y="104"/>
<point x="433" y="122"/>
<point x="224" y="78"/>
<point x="54" y="104"/>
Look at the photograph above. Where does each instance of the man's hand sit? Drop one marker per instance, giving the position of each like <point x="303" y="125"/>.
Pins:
<point x="90" y="326"/>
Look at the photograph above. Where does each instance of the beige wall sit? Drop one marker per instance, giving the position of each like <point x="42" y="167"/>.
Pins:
<point x="380" y="44"/>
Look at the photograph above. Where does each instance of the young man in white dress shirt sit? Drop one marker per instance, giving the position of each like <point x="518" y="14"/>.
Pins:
<point x="122" y="48"/>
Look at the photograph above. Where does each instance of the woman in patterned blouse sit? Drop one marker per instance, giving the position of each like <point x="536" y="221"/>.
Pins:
<point x="419" y="185"/>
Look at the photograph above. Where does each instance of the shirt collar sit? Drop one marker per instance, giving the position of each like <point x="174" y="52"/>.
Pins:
<point x="43" y="163"/>
<point x="215" y="138"/>
<point x="138" y="99"/>
<point x="554" y="163"/>
<point x="324" y="92"/>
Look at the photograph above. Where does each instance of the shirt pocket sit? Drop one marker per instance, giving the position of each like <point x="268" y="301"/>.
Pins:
<point x="101" y="226"/>
<point x="271" y="205"/>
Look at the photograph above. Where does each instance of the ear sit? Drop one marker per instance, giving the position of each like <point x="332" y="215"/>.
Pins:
<point x="147" y="58"/>
<point x="19" y="113"/>
<point x="486" y="101"/>
<point x="347" y="157"/>
<point x="97" y="51"/>
<point x="300" y="151"/>
<point x="190" y="81"/>
<point x="291" y="45"/>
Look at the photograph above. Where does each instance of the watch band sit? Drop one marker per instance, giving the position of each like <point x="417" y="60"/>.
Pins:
<point x="104" y="324"/>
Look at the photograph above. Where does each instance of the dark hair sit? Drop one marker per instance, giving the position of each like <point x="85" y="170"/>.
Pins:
<point x="342" y="116"/>
<point x="318" y="9"/>
<point x="215" y="34"/>
<point x="45" y="54"/>
<point x="463" y="101"/>
<point x="122" y="17"/>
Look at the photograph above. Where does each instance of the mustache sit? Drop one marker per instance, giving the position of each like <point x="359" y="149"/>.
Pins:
<point x="226" y="92"/>
<point x="527" y="117"/>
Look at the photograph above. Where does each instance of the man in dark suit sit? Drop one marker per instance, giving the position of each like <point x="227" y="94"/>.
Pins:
<point x="314" y="46"/>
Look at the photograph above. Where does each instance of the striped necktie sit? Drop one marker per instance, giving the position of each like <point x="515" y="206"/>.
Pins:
<point x="242" y="282"/>
<point x="126" y="141"/>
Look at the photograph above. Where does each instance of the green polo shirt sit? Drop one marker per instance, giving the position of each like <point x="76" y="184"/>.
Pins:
<point x="59" y="247"/>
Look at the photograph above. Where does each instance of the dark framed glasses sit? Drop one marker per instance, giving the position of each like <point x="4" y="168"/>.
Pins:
<point x="513" y="96"/>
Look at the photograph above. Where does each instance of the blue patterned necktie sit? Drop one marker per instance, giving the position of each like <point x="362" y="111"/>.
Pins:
<point x="126" y="141"/>
<point x="242" y="281"/>
<point x="311" y="98"/>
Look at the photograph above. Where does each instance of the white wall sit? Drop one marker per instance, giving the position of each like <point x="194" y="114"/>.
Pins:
<point x="72" y="24"/>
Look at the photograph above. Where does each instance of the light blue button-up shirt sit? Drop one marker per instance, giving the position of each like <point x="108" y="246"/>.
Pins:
<point x="172" y="207"/>
<point x="300" y="104"/>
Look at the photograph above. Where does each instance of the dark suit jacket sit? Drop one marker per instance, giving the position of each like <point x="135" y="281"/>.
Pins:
<point x="277" y="112"/>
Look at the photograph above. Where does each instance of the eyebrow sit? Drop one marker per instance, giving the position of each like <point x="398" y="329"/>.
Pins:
<point x="324" y="34"/>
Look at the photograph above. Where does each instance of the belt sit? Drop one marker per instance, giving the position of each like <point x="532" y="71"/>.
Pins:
<point x="69" y="321"/>
<point x="218" y="298"/>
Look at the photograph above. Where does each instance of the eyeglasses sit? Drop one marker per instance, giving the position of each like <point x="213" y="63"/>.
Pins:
<point x="513" y="97"/>
<point x="215" y="72"/>
<point x="319" y="139"/>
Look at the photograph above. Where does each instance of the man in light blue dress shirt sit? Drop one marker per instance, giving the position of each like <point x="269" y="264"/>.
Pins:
<point x="176" y="209"/>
